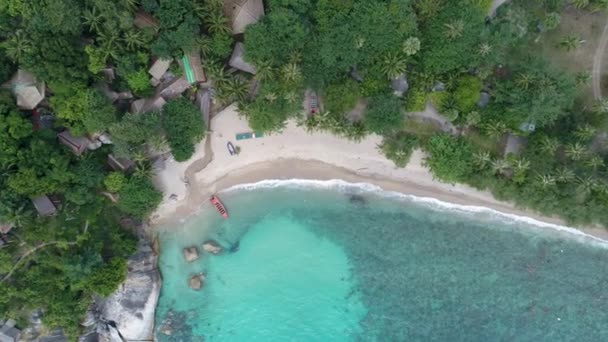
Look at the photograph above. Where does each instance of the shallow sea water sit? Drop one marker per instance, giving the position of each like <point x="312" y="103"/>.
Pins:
<point x="328" y="261"/>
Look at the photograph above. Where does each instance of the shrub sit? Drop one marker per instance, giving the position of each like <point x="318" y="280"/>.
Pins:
<point x="467" y="92"/>
<point x="449" y="158"/>
<point x="399" y="148"/>
<point x="139" y="83"/>
<point x="415" y="100"/>
<point x="138" y="197"/>
<point x="114" y="181"/>
<point x="383" y="114"/>
<point x="341" y="97"/>
<point x="184" y="127"/>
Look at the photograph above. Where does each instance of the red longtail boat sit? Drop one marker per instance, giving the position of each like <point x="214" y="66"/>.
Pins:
<point x="217" y="204"/>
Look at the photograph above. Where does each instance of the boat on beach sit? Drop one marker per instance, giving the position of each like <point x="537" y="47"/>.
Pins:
<point x="217" y="204"/>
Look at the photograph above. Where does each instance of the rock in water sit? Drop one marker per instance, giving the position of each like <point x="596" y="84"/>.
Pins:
<point x="196" y="281"/>
<point x="212" y="247"/>
<point x="132" y="306"/>
<point x="190" y="254"/>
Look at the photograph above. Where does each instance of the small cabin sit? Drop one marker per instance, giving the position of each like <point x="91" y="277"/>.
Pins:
<point x="159" y="68"/>
<point x="26" y="89"/>
<point x="193" y="68"/>
<point x="76" y="144"/>
<point x="175" y="88"/>
<point x="120" y="164"/>
<point x="44" y="206"/>
<point x="243" y="13"/>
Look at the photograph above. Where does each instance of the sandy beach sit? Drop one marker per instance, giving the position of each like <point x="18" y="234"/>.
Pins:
<point x="297" y="154"/>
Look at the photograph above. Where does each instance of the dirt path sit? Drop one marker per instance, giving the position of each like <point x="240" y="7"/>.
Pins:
<point x="494" y="6"/>
<point x="195" y="191"/>
<point x="597" y="64"/>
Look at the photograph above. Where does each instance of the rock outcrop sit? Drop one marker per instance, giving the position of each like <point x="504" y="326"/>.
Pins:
<point x="190" y="254"/>
<point x="212" y="247"/>
<point x="129" y="312"/>
<point x="196" y="281"/>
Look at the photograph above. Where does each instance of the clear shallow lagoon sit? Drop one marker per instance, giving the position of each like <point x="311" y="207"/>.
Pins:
<point x="316" y="264"/>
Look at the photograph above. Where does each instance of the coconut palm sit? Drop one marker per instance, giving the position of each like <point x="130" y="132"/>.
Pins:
<point x="523" y="81"/>
<point x="143" y="171"/>
<point x="582" y="78"/>
<point x="393" y="65"/>
<point x="580" y="3"/>
<point x="575" y="151"/>
<point x="271" y="97"/>
<point x="586" y="185"/>
<point x="521" y="165"/>
<point x="499" y="166"/>
<point x="92" y="19"/>
<point x="570" y="42"/>
<point x="564" y="175"/>
<point x="585" y="133"/>
<point x="131" y="5"/>
<point x="291" y="97"/>
<point x="595" y="162"/>
<point x="139" y="157"/>
<point x="546" y="180"/>
<point x="411" y="46"/>
<point x="551" y="21"/>
<point x="601" y="106"/>
<point x="133" y="39"/>
<point x="16" y="45"/>
<point x="108" y="41"/>
<point x="264" y="70"/>
<point x="218" y="74"/>
<point x="291" y="73"/>
<point x="495" y="129"/>
<point x="549" y="145"/>
<point x="216" y="22"/>
<point x="295" y="57"/>
<point x="482" y="160"/>
<point x="454" y="29"/>
<point x="235" y="89"/>
<point x="484" y="49"/>
<point x="17" y="217"/>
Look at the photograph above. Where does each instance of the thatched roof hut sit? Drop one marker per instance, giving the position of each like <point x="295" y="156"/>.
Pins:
<point x="76" y="144"/>
<point x="44" y="206"/>
<point x="147" y="105"/>
<point x="26" y="89"/>
<point x="120" y="164"/>
<point x="514" y="145"/>
<point x="175" y="88"/>
<point x="159" y="68"/>
<point x="144" y="19"/>
<point x="243" y="13"/>
<point x="193" y="68"/>
<point x="238" y="62"/>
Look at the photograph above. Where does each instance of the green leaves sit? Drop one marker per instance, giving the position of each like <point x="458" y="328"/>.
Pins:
<point x="184" y="127"/>
<point x="449" y="159"/>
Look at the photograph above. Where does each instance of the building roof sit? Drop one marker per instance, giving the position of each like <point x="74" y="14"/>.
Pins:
<point x="147" y="105"/>
<point x="159" y="68"/>
<point x="44" y="206"/>
<point x="193" y="68"/>
<point x="76" y="144"/>
<point x="175" y="88"/>
<point x="8" y="332"/>
<point x="514" y="145"/>
<point x="144" y="19"/>
<point x="243" y="13"/>
<point x="26" y="89"/>
<point x="237" y="61"/>
<point x="203" y="100"/>
<point x="120" y="164"/>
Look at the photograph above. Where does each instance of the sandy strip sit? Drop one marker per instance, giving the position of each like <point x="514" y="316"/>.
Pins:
<point x="297" y="154"/>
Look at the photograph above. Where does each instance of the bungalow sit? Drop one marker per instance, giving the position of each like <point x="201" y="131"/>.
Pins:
<point x="44" y="206"/>
<point x="76" y="144"/>
<point x="144" y="19"/>
<point x="243" y="13"/>
<point x="8" y="332"/>
<point x="159" y="68"/>
<point x="175" y="88"/>
<point x="192" y="67"/>
<point x="237" y="61"/>
<point x="26" y="89"/>
<point x="120" y="164"/>
<point x="203" y="101"/>
<point x="514" y="145"/>
<point x="147" y="105"/>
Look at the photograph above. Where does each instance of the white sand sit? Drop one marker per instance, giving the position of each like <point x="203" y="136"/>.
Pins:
<point x="298" y="154"/>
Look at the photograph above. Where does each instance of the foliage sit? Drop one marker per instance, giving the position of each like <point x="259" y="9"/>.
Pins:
<point x="86" y="110"/>
<point x="415" y="100"/>
<point x="138" y="197"/>
<point x="383" y="114"/>
<point x="467" y="92"/>
<point x="114" y="181"/>
<point x="449" y="159"/>
<point x="399" y="148"/>
<point x="341" y="97"/>
<point x="183" y="126"/>
<point x="179" y="28"/>
<point x="139" y="83"/>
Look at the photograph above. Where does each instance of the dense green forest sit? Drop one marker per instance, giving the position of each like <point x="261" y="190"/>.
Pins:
<point x="347" y="51"/>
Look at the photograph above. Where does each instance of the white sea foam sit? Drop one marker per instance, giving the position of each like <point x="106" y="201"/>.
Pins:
<point x="429" y="202"/>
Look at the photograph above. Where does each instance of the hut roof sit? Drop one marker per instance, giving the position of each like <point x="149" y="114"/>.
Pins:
<point x="514" y="145"/>
<point x="237" y="61"/>
<point x="8" y="332"/>
<point x="120" y="164"/>
<point x="203" y="100"/>
<point x="243" y="13"/>
<point x="26" y="89"/>
<point x="175" y="88"/>
<point x="147" y="105"/>
<point x="159" y="68"/>
<point x="76" y="144"/>
<point x="144" y="19"/>
<point x="44" y="206"/>
<point x="193" y="68"/>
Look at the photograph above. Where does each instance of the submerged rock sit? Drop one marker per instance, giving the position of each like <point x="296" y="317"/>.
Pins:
<point x="190" y="254"/>
<point x="131" y="308"/>
<point x="197" y="281"/>
<point x="212" y="247"/>
<point x="357" y="199"/>
<point x="235" y="247"/>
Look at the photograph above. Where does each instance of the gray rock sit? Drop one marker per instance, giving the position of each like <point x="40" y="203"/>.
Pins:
<point x="484" y="100"/>
<point x="196" y="281"/>
<point x="212" y="247"/>
<point x="190" y="254"/>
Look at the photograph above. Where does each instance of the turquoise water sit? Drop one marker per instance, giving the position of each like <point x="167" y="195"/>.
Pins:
<point x="317" y="264"/>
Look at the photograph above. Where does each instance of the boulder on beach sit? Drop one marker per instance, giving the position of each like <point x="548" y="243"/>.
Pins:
<point x="196" y="281"/>
<point x="190" y="254"/>
<point x="212" y="247"/>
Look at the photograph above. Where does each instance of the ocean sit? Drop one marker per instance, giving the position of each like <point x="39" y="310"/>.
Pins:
<point x="332" y="261"/>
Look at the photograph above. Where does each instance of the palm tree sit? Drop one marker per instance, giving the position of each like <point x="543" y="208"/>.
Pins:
<point x="218" y="74"/>
<point x="143" y="171"/>
<point x="17" y="217"/>
<point x="216" y="22"/>
<point x="500" y="166"/>
<point x="601" y="106"/>
<point x="108" y="41"/>
<point x="482" y="159"/>
<point x="564" y="175"/>
<point x="264" y="70"/>
<point x="393" y="65"/>
<point x="546" y="180"/>
<point x="411" y="46"/>
<point x="295" y="57"/>
<point x="484" y="49"/>
<point x="235" y="90"/>
<point x="595" y="162"/>
<point x="575" y="151"/>
<point x="495" y="129"/>
<point x="454" y="29"/>
<point x="139" y="157"/>
<point x="521" y="165"/>
<point x="291" y="72"/>
<point x="93" y="19"/>
<point x="551" y="21"/>
<point x="271" y="97"/>
<point x="570" y="42"/>
<point x="586" y="185"/>
<point x="580" y="3"/>
<point x="131" y="5"/>
<point x="133" y="39"/>
<point x="291" y="97"/>
<point x="523" y="81"/>
<point x="16" y="45"/>
<point x="585" y="133"/>
<point x="549" y="145"/>
<point x="583" y="78"/>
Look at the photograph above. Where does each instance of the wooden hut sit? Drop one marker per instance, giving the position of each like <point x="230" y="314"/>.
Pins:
<point x="193" y="68"/>
<point x="44" y="206"/>
<point x="26" y="89"/>
<point x="76" y="144"/>
<point x="243" y="13"/>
